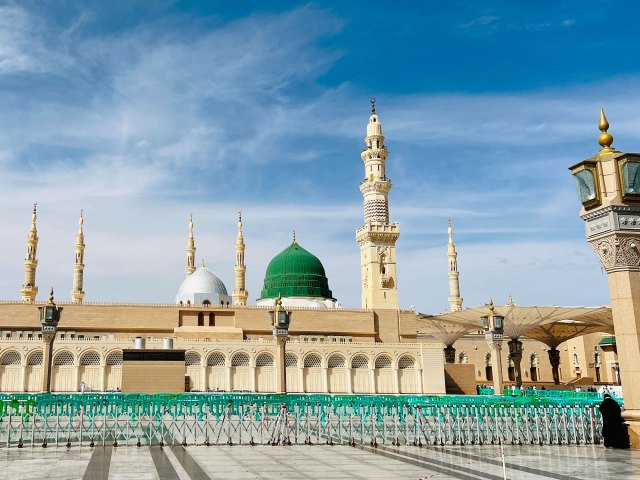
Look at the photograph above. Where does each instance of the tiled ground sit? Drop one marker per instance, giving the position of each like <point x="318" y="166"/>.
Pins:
<point x="318" y="462"/>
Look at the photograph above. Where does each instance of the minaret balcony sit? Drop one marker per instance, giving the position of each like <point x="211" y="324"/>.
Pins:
<point x="378" y="185"/>
<point x="374" y="153"/>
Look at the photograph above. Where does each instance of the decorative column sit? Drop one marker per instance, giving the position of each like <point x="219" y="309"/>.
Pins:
<point x="49" y="318"/>
<point x="608" y="186"/>
<point x="77" y="294"/>
<point x="554" y="360"/>
<point x="515" y="352"/>
<point x="191" y="249"/>
<point x="103" y="374"/>
<point x="377" y="238"/>
<point x="29" y="290"/>
<point x="493" y="334"/>
<point x="280" y="320"/>
<point x="455" y="300"/>
<point x="240" y="293"/>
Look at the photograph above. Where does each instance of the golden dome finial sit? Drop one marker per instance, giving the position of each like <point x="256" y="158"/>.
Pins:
<point x="372" y="101"/>
<point x="511" y="302"/>
<point x="294" y="241"/>
<point x="491" y="308"/>
<point x="605" y="139"/>
<point x="51" y="302"/>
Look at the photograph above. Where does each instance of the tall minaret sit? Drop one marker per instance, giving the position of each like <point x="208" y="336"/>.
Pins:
<point x="240" y="294"/>
<point x="28" y="290"/>
<point x="77" y="294"/>
<point x="455" y="300"/>
<point x="377" y="239"/>
<point x="191" y="249"/>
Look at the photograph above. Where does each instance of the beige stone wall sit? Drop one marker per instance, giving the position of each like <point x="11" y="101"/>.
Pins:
<point x="365" y="367"/>
<point x="153" y="377"/>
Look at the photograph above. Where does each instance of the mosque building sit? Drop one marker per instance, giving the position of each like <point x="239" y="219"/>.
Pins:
<point x="228" y="343"/>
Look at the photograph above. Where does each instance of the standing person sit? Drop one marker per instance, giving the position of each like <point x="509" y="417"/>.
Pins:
<point x="614" y="430"/>
<point x="83" y="387"/>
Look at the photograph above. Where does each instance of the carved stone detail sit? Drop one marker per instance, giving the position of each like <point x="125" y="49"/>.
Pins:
<point x="617" y="252"/>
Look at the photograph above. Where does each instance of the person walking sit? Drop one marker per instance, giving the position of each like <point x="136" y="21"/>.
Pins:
<point x="614" y="430"/>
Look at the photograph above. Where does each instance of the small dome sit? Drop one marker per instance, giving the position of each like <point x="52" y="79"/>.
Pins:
<point x="294" y="272"/>
<point x="202" y="285"/>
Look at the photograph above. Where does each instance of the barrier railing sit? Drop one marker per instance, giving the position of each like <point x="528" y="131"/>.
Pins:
<point x="230" y="419"/>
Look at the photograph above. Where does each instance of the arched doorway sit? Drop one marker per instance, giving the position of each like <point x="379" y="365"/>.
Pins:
<point x="11" y="372"/>
<point x="360" y="375"/>
<point x="338" y="374"/>
<point x="193" y="363"/>
<point x="408" y="375"/>
<point x="240" y="372"/>
<point x="293" y="373"/>
<point x="114" y="371"/>
<point x="34" y="371"/>
<point x="216" y="371"/>
<point x="265" y="373"/>
<point x="384" y="375"/>
<point x="313" y="381"/>
<point x="90" y="372"/>
<point x="63" y="373"/>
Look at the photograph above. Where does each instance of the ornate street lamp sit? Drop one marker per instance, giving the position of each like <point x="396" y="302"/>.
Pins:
<point x="280" y="320"/>
<point x="494" y="335"/>
<point x="49" y="319"/>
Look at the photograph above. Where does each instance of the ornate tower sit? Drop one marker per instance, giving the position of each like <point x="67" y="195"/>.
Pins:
<point x="28" y="290"/>
<point x="455" y="300"/>
<point x="77" y="294"/>
<point x="240" y="294"/>
<point x="191" y="249"/>
<point x="377" y="239"/>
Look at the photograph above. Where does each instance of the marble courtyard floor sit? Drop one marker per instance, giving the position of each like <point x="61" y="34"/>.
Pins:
<point x="317" y="462"/>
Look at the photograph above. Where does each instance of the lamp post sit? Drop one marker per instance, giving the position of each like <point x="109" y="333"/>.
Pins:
<point x="49" y="319"/>
<point x="608" y="187"/>
<point x="494" y="334"/>
<point x="280" y="320"/>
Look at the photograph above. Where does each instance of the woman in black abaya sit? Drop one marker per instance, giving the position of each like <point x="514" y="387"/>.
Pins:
<point x="614" y="430"/>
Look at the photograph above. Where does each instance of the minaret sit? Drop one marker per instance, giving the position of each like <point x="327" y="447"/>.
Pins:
<point x="377" y="239"/>
<point x="77" y="294"/>
<point x="28" y="290"/>
<point x="191" y="249"/>
<point x="240" y="294"/>
<point x="455" y="300"/>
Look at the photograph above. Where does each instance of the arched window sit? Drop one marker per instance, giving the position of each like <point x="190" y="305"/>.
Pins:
<point x="90" y="358"/>
<point x="201" y="319"/>
<point x="290" y="360"/>
<point x="11" y="358"/>
<point x="406" y="362"/>
<point x="35" y="358"/>
<point x="114" y="358"/>
<point x="383" y="362"/>
<point x="336" y="361"/>
<point x="212" y="319"/>
<point x="360" y="361"/>
<point x="206" y="303"/>
<point x="312" y="361"/>
<point x="192" y="359"/>
<point x="264" y="360"/>
<point x="240" y="360"/>
<point x="488" y="369"/>
<point x="216" y="359"/>
<point x="63" y="358"/>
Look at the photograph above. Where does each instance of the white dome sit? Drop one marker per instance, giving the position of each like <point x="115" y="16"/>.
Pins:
<point x="202" y="285"/>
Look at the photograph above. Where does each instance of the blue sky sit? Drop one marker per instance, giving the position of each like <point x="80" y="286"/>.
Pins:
<point x="143" y="112"/>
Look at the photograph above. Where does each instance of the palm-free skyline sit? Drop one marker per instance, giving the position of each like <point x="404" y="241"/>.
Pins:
<point x="144" y="112"/>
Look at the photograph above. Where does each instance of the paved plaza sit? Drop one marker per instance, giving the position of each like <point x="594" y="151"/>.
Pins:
<point x="318" y="462"/>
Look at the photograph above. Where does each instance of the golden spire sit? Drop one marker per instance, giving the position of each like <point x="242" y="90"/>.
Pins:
<point x="511" y="302"/>
<point x="51" y="302"/>
<point x="372" y="101"/>
<point x="34" y="216"/>
<point x="491" y="308"/>
<point x="294" y="241"/>
<point x="605" y="139"/>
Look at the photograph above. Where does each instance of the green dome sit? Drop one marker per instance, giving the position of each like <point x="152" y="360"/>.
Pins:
<point x="294" y="272"/>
